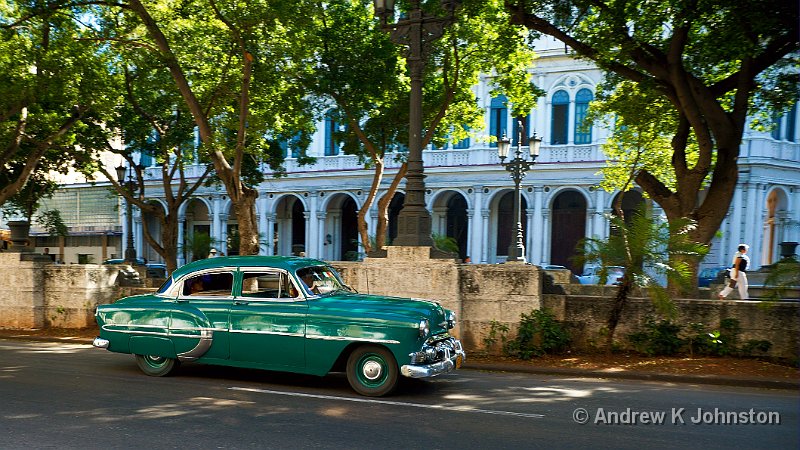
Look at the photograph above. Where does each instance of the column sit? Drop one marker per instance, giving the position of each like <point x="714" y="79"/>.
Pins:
<point x="216" y="230"/>
<point x="794" y="216"/>
<point x="599" y="228"/>
<point x="324" y="247"/>
<point x="476" y="230"/>
<point x="537" y="230"/>
<point x="756" y="232"/>
<point x="750" y="213"/>
<point x="270" y="234"/>
<point x="313" y="238"/>
<point x="223" y="235"/>
<point x="138" y="234"/>
<point x="734" y="237"/>
<point x="439" y="216"/>
<point x="307" y="228"/>
<point x="485" y="228"/>
<point x="181" y="245"/>
<point x="264" y="235"/>
<point x="546" y="237"/>
<point x="529" y="237"/>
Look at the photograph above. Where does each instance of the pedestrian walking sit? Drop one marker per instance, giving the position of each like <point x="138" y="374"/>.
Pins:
<point x="738" y="274"/>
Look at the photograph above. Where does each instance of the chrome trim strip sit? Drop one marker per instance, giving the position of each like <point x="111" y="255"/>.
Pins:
<point x="353" y="339"/>
<point x="152" y="333"/>
<point x="276" y="333"/>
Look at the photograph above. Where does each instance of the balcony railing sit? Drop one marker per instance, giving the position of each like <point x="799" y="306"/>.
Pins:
<point x="431" y="159"/>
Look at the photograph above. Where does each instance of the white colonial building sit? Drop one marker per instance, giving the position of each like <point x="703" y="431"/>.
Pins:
<point x="470" y="195"/>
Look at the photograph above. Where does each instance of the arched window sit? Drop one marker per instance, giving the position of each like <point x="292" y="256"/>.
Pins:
<point x="332" y="127"/>
<point x="558" y="131"/>
<point x="583" y="130"/>
<point x="497" y="118"/>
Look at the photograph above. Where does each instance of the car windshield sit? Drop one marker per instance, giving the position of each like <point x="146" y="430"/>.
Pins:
<point x="320" y="280"/>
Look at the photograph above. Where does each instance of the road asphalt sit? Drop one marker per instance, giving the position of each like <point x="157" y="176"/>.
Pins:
<point x="745" y="381"/>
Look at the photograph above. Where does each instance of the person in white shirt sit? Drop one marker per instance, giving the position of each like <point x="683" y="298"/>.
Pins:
<point x="738" y="276"/>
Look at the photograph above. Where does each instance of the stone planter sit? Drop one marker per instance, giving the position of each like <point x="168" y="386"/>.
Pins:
<point x="20" y="229"/>
<point x="787" y="249"/>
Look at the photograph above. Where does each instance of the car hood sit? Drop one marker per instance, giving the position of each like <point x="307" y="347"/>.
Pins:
<point x="386" y="307"/>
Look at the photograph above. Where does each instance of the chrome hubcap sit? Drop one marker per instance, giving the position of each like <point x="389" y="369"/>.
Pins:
<point x="372" y="370"/>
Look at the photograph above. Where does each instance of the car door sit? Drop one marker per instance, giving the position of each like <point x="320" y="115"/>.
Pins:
<point x="201" y="317"/>
<point x="268" y="319"/>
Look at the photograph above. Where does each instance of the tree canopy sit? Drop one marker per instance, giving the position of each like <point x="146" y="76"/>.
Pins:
<point x="54" y="82"/>
<point x="702" y="64"/>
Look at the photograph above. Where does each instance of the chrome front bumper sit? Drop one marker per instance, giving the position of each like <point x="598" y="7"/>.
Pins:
<point x="100" y="342"/>
<point x="453" y="356"/>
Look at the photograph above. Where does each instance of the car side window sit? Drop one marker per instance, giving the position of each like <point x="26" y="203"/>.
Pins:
<point x="267" y="285"/>
<point x="209" y="285"/>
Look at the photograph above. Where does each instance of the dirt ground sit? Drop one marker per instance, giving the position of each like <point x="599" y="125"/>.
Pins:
<point x="674" y="365"/>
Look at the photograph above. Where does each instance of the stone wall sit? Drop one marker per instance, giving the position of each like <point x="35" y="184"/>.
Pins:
<point x="73" y="291"/>
<point x="36" y="293"/>
<point x="478" y="293"/>
<point x="585" y="317"/>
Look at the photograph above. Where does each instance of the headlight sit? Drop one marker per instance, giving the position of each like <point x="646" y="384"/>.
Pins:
<point x="424" y="328"/>
<point x="451" y="320"/>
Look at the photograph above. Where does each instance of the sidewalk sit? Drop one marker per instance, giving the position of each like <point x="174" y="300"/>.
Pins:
<point x="750" y="373"/>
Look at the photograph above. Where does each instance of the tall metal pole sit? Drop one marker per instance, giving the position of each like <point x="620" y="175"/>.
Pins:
<point x="416" y="31"/>
<point x="130" y="251"/>
<point x="517" y="168"/>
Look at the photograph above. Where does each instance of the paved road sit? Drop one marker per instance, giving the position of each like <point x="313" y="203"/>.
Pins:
<point x="73" y="396"/>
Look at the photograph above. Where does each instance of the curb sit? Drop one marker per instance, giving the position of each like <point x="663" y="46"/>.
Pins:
<point x="766" y="383"/>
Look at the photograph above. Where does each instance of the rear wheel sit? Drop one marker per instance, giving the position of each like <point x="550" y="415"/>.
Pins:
<point x="372" y="371"/>
<point x="156" y="366"/>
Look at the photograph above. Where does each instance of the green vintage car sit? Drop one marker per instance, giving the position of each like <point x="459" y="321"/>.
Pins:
<point x="280" y="313"/>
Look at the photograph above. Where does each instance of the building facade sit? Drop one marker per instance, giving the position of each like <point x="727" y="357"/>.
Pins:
<point x="470" y="196"/>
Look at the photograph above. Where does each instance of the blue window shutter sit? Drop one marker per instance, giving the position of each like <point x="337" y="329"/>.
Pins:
<point x="328" y="136"/>
<point x="560" y="117"/>
<point x="583" y="132"/>
<point x="497" y="118"/>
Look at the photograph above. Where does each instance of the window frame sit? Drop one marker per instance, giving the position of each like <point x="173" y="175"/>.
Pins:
<point x="243" y="270"/>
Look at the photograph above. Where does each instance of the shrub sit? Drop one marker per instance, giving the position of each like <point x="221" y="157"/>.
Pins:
<point x="539" y="334"/>
<point x="657" y="338"/>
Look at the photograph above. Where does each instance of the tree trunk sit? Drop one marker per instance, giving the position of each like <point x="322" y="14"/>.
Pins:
<point x="245" y="207"/>
<point x="383" y="208"/>
<point x="620" y="300"/>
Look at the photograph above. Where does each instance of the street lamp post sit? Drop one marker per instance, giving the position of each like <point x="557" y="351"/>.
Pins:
<point x="130" y="251"/>
<point x="416" y="32"/>
<point x="517" y="168"/>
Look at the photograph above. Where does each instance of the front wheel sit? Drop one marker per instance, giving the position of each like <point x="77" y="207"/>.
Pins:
<point x="372" y="371"/>
<point x="156" y="366"/>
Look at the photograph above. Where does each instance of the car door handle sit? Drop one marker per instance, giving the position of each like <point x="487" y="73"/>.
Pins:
<point x="241" y="302"/>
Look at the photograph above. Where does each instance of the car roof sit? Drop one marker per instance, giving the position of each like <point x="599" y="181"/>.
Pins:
<point x="290" y="263"/>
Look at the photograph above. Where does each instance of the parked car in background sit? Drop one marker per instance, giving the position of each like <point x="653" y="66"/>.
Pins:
<point x="278" y="313"/>
<point x="591" y="275"/>
<point x="139" y="261"/>
<point x="156" y="270"/>
<point x="710" y="275"/>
